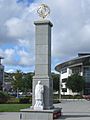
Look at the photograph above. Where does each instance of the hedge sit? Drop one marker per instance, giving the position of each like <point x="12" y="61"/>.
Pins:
<point x="24" y="100"/>
<point x="3" y="97"/>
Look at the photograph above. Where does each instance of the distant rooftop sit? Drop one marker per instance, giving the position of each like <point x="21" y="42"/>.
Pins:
<point x="83" y="54"/>
<point x="82" y="57"/>
<point x="1" y="57"/>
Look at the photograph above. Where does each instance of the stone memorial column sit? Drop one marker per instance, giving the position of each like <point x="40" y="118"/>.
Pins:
<point x="43" y="61"/>
<point x="42" y="97"/>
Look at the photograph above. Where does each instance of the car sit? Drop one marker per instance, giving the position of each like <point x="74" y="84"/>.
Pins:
<point x="87" y="97"/>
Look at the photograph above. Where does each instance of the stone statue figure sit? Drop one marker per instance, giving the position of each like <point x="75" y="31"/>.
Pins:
<point x="39" y="90"/>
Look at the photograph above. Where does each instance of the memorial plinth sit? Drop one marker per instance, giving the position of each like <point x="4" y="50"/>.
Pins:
<point x="43" y="61"/>
<point x="30" y="114"/>
<point x="42" y="107"/>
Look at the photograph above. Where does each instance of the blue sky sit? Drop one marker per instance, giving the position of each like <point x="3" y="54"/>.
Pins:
<point x="70" y="33"/>
<point x="25" y="2"/>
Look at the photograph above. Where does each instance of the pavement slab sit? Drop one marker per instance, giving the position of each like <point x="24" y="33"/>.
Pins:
<point x="71" y="110"/>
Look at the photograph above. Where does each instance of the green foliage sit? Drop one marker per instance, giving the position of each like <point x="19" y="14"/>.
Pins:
<point x="24" y="100"/>
<point x="27" y="82"/>
<point x="0" y="85"/>
<point x="55" y="78"/>
<point x="56" y="98"/>
<point x="75" y="82"/>
<point x="3" y="97"/>
<point x="71" y="97"/>
<point x="22" y="81"/>
<point x="17" y="82"/>
<point x="13" y="100"/>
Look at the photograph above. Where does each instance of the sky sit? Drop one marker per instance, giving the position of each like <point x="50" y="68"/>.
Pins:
<point x="70" y="32"/>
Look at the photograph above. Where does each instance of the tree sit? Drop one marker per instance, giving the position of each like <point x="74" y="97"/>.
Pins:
<point x="3" y="97"/>
<point x="22" y="81"/>
<point x="1" y="85"/>
<point x="17" y="81"/>
<point x="55" y="78"/>
<point x="75" y="82"/>
<point x="27" y="82"/>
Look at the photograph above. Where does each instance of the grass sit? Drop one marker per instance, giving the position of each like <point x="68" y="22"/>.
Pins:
<point x="13" y="107"/>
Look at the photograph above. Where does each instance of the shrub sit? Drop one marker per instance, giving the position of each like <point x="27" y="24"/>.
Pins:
<point x="24" y="100"/>
<point x="3" y="97"/>
<point x="55" y="96"/>
<point x="71" y="97"/>
<point x="13" y="100"/>
<point x="56" y="101"/>
<point x="78" y="97"/>
<point x="66" y="96"/>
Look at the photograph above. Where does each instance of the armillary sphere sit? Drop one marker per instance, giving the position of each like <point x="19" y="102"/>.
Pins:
<point x="43" y="11"/>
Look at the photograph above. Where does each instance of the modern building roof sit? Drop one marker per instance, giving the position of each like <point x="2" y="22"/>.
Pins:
<point x="1" y="57"/>
<point x="82" y="57"/>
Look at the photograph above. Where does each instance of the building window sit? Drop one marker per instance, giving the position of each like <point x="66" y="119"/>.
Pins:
<point x="64" y="70"/>
<point x="87" y="85"/>
<point x="87" y="91"/>
<point x="76" y="70"/>
<point x="87" y="74"/>
<point x="64" y="80"/>
<point x="64" y="89"/>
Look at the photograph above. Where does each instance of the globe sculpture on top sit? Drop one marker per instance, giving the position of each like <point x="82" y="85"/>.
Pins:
<point x="43" y="11"/>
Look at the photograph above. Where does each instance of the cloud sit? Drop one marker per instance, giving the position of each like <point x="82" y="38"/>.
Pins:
<point x="8" y="9"/>
<point x="25" y="58"/>
<point x="70" y="32"/>
<point x="16" y="33"/>
<point x="16" y="57"/>
<point x="10" y="71"/>
<point x="71" y="28"/>
<point x="17" y="27"/>
<point x="85" y="32"/>
<point x="8" y="55"/>
<point x="24" y="43"/>
<point x="16" y="21"/>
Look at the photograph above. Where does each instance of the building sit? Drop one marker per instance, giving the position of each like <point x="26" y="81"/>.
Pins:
<point x="1" y="74"/>
<point x="81" y="65"/>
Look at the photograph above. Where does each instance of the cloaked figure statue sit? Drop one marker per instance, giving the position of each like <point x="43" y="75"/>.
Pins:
<point x="39" y="90"/>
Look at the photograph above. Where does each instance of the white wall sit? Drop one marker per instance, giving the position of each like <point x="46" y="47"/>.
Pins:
<point x="63" y="85"/>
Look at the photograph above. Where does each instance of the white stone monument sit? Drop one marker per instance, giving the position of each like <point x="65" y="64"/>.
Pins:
<point x="43" y="56"/>
<point x="42" y="97"/>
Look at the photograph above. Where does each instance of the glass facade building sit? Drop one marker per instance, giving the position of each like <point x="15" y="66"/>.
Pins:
<point x="86" y="75"/>
<point x="80" y="65"/>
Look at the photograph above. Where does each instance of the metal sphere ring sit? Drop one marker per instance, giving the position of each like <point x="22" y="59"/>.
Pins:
<point x="43" y="10"/>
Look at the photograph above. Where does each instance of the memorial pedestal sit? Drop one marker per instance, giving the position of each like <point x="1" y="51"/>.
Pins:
<point x="42" y="74"/>
<point x="30" y="114"/>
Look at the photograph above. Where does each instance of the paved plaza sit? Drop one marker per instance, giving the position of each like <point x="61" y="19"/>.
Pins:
<point x="72" y="110"/>
<point x="75" y="110"/>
